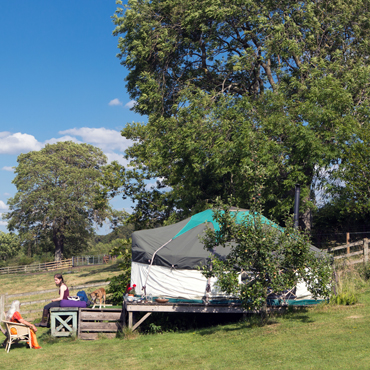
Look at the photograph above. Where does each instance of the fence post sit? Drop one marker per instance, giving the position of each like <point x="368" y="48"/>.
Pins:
<point x="347" y="239"/>
<point x="2" y="306"/>
<point x="5" y="300"/>
<point x="366" y="250"/>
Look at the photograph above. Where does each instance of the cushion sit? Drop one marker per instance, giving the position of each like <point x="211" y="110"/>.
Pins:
<point x="68" y="303"/>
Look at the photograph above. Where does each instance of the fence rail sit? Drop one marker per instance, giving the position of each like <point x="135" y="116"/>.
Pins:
<point x="58" y="265"/>
<point x="363" y="252"/>
<point x="35" y="267"/>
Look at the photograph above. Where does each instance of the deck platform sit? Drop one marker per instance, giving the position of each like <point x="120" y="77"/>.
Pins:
<point x="130" y="308"/>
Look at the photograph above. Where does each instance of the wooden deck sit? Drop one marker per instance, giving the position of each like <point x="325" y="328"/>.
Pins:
<point x="109" y="321"/>
<point x="130" y="308"/>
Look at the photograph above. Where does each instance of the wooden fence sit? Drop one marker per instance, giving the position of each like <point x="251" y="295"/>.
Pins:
<point x="362" y="251"/>
<point x="58" y="265"/>
<point x="35" y="267"/>
<point x="6" y="299"/>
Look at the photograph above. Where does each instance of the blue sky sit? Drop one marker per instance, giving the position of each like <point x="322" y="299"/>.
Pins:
<point x="60" y="80"/>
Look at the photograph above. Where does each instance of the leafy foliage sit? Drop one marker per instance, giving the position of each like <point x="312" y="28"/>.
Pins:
<point x="118" y="284"/>
<point x="9" y="246"/>
<point x="225" y="83"/>
<point x="350" y="185"/>
<point x="271" y="260"/>
<point x="58" y="199"/>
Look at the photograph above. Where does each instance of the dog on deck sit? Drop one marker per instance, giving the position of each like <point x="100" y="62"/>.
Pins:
<point x="98" y="294"/>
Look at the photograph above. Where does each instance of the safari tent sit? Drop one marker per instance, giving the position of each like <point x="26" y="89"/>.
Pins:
<point x="166" y="260"/>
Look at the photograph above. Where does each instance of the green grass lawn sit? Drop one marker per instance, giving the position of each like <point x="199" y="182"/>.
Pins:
<point x="24" y="283"/>
<point x="324" y="337"/>
<point x="21" y="283"/>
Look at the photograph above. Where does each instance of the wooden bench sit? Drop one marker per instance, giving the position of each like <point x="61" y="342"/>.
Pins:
<point x="63" y="321"/>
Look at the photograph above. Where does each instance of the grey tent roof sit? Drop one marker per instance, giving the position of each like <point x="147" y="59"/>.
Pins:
<point x="183" y="250"/>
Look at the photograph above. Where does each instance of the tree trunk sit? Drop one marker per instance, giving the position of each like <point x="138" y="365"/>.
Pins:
<point x="306" y="220"/>
<point x="59" y="245"/>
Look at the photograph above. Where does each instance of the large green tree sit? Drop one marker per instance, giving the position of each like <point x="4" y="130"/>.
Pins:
<point x="9" y="246"/>
<point x="226" y="83"/>
<point x="58" y="197"/>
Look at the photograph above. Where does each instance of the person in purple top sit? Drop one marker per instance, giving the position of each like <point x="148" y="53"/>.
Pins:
<point x="63" y="294"/>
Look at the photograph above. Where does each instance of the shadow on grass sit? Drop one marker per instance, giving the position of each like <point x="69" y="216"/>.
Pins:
<point x="255" y="320"/>
<point x="212" y="323"/>
<point x="47" y="338"/>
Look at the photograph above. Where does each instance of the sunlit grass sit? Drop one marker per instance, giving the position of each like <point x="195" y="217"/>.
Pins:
<point x="324" y="337"/>
<point x="23" y="283"/>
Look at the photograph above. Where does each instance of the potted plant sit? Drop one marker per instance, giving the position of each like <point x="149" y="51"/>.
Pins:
<point x="131" y="290"/>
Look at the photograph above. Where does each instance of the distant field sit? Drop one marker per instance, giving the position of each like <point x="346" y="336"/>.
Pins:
<point x="324" y="337"/>
<point x="24" y="283"/>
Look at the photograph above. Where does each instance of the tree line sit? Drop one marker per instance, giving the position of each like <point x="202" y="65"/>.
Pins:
<point x="234" y="92"/>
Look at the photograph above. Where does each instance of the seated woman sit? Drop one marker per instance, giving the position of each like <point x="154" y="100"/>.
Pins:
<point x="13" y="315"/>
<point x="63" y="294"/>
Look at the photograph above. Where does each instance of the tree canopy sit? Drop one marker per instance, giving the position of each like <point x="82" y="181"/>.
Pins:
<point x="9" y="246"/>
<point x="58" y="197"/>
<point x="228" y="85"/>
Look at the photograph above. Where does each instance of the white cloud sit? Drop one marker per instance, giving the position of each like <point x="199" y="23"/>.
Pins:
<point x="23" y="143"/>
<point x="7" y="194"/>
<point x="117" y="157"/>
<point x="63" y="138"/>
<point x="110" y="141"/>
<point x="3" y="205"/>
<point x="115" y="102"/>
<point x="8" y="168"/>
<point x="17" y="143"/>
<point x="130" y="104"/>
<point x="107" y="140"/>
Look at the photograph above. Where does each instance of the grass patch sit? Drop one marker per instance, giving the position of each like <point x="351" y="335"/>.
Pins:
<point x="24" y="283"/>
<point x="323" y="337"/>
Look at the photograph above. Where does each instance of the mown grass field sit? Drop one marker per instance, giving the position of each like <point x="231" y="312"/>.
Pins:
<point x="23" y="283"/>
<point x="324" y="337"/>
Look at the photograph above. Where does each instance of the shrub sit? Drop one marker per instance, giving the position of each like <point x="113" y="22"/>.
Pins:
<point x="118" y="284"/>
<point x="348" y="284"/>
<point x="365" y="271"/>
<point x="346" y="298"/>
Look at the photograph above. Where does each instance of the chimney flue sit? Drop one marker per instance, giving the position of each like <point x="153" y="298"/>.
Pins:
<point x="296" y="205"/>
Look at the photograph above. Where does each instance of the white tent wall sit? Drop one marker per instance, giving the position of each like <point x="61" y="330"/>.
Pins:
<point x="172" y="283"/>
<point x="184" y="284"/>
<point x="302" y="292"/>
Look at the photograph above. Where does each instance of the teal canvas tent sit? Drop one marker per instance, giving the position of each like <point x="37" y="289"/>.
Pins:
<point x="166" y="260"/>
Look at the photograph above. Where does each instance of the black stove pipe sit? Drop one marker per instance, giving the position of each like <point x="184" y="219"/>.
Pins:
<point x="296" y="205"/>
